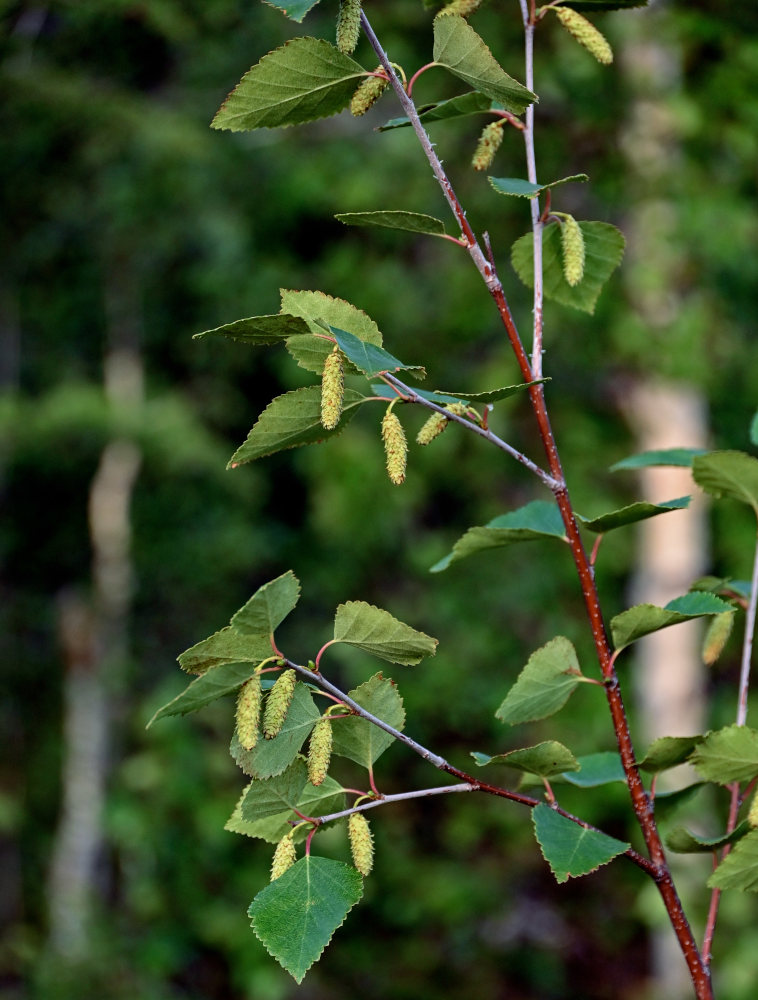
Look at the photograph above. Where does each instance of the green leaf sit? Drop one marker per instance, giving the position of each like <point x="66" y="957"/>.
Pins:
<point x="680" y="457"/>
<point x="727" y="755"/>
<point x="270" y="757"/>
<point x="294" y="9"/>
<point x="368" y="358"/>
<point x="643" y="619"/>
<point x="597" y="769"/>
<point x="410" y="222"/>
<point x="328" y="797"/>
<point x="456" y="107"/>
<point x="731" y="474"/>
<point x="459" y="49"/>
<point x="275" y="795"/>
<point x="269" y="605"/>
<point x="603" y="250"/>
<point x="290" y="421"/>
<point x="259" y="330"/>
<point x="377" y="632"/>
<point x="595" y="5"/>
<point x="317" y="309"/>
<point x="639" y="511"/>
<point x="360" y="740"/>
<point x="739" y="870"/>
<point x="570" y="849"/>
<point x="668" y="751"/>
<point x="519" y="188"/>
<point x="295" y="916"/>
<point x="544" y="685"/>
<point x="496" y="394"/>
<point x="544" y="759"/>
<point x="305" y="79"/>
<point x="538" y="519"/>
<point x="213" y="684"/>
<point x="226" y="646"/>
<point x="681" y="841"/>
<point x="383" y="391"/>
<point x="668" y="803"/>
<point x="754" y="430"/>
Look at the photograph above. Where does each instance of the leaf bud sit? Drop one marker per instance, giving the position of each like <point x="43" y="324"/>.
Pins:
<point x="367" y="94"/>
<point x="395" y="447"/>
<point x="348" y="25"/>
<point x="332" y="390"/>
<point x="585" y="33"/>
<point x="489" y="143"/>
<point x="278" y="703"/>
<point x="248" y="713"/>
<point x="361" y="843"/>
<point x="463" y="8"/>
<point x="319" y="751"/>
<point x="572" y="245"/>
<point x="716" y="637"/>
<point x="285" y="856"/>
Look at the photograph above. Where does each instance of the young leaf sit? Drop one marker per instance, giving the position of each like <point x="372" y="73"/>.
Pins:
<point x="731" y="474"/>
<point x="259" y="331"/>
<point x="269" y="605"/>
<point x="603" y="250"/>
<point x="370" y="359"/>
<point x="379" y="633"/>
<point x="518" y="188"/>
<point x="456" y="107"/>
<point x="275" y="795"/>
<point x="290" y="421"/>
<point x="295" y="917"/>
<point x="459" y="49"/>
<point x="305" y="79"/>
<point x="739" y="870"/>
<point x="680" y="457"/>
<point x="360" y="740"/>
<point x="270" y="757"/>
<point x="596" y="769"/>
<point x="570" y="849"/>
<point x="213" y="684"/>
<point x="681" y="841"/>
<point x="727" y="755"/>
<point x="294" y="9"/>
<point x="538" y="519"/>
<point x="544" y="759"/>
<point x="668" y="751"/>
<point x="643" y="619"/>
<point x="327" y="798"/>
<point x="544" y="685"/>
<point x="410" y="222"/>
<point x="639" y="511"/>
<point x="226" y="646"/>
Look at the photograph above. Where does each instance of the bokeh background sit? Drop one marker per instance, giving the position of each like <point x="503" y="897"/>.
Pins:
<point x="127" y="226"/>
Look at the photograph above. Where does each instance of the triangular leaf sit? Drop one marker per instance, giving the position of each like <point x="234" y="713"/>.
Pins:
<point x="519" y="188"/>
<point x="226" y="646"/>
<point x="739" y="870"/>
<point x="603" y="250"/>
<point x="290" y="421"/>
<point x="731" y="474"/>
<point x="544" y="759"/>
<point x="538" y="519"/>
<point x="370" y="359"/>
<point x="213" y="684"/>
<point x="643" y="619"/>
<point x="456" y="107"/>
<point x="317" y="309"/>
<point x="259" y="330"/>
<point x="639" y="511"/>
<point x="411" y="222"/>
<point x="570" y="849"/>
<point x="377" y="632"/>
<point x="668" y="751"/>
<point x="360" y="740"/>
<point x="681" y="841"/>
<point x="275" y="795"/>
<point x="459" y="49"/>
<point x="727" y="755"/>
<point x="496" y="394"/>
<point x="314" y="801"/>
<point x="296" y="915"/>
<point x="305" y="79"/>
<point x="269" y="605"/>
<point x="597" y="769"/>
<point x="294" y="9"/>
<point x="680" y="457"/>
<point x="544" y="685"/>
<point x="270" y="757"/>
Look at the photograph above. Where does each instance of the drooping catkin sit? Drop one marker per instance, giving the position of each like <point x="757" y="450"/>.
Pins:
<point x="319" y="751"/>
<point x="585" y="33"/>
<point x="367" y="94"/>
<point x="572" y="245"/>
<point x="249" y="712"/>
<point x="395" y="447"/>
<point x="285" y="856"/>
<point x="461" y="7"/>
<point x="752" y="816"/>
<point x="716" y="637"/>
<point x="332" y="390"/>
<point x="278" y="703"/>
<point x="348" y="25"/>
<point x="437" y="423"/>
<point x="361" y="843"/>
<point x="489" y="143"/>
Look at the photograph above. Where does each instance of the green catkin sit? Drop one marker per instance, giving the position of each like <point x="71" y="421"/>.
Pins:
<point x="752" y="816"/>
<point x="285" y="856"/>
<point x="332" y="390"/>
<point x="395" y="447"/>
<point x="249" y="712"/>
<point x="278" y="704"/>
<point x="361" y="843"/>
<point x="319" y="751"/>
<point x="348" y="25"/>
<point x="716" y="637"/>
<point x="367" y="94"/>
<point x="437" y="423"/>
<point x="489" y="143"/>
<point x="586" y="34"/>
<point x="463" y="8"/>
<point x="572" y="245"/>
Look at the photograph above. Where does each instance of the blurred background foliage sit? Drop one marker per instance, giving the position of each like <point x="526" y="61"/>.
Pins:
<point x="127" y="226"/>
